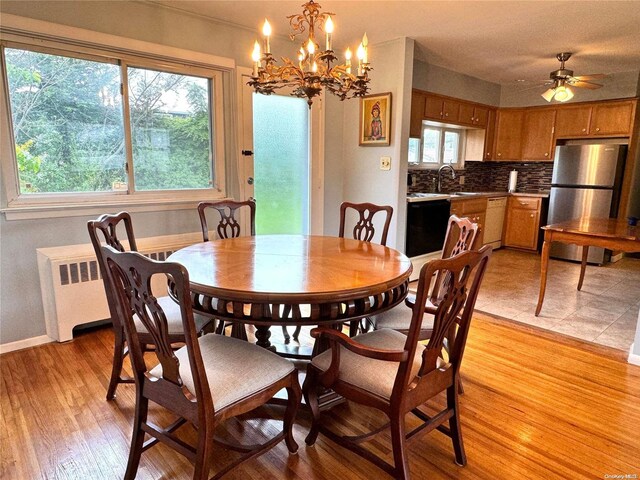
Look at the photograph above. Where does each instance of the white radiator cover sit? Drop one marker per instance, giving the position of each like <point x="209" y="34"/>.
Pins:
<point x="72" y="288"/>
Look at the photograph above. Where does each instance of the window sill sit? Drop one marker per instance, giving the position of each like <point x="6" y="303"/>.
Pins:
<point x="434" y="167"/>
<point x="79" y="208"/>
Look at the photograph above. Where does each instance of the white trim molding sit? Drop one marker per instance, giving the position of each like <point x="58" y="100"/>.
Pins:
<point x="26" y="343"/>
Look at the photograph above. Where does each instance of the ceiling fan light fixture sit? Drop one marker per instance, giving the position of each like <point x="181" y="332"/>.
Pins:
<point x="563" y="94"/>
<point x="549" y="94"/>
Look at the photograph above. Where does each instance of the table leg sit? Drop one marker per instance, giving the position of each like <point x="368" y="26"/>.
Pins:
<point x="262" y="337"/>
<point x="583" y="265"/>
<point x="544" y="265"/>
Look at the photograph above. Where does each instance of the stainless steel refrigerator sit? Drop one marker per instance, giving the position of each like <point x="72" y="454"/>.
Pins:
<point x="585" y="183"/>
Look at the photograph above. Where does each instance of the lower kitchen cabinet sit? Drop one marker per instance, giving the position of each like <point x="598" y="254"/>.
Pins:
<point x="523" y="222"/>
<point x="475" y="209"/>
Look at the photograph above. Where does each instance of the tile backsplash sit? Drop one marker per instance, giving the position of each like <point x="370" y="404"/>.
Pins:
<point x="486" y="177"/>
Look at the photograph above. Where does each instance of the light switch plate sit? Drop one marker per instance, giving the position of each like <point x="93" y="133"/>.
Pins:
<point x="461" y="181"/>
<point x="385" y="163"/>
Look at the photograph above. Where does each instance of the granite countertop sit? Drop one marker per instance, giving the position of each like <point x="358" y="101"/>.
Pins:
<point x="427" y="197"/>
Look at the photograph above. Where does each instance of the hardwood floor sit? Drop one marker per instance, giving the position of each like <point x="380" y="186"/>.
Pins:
<point x="537" y="405"/>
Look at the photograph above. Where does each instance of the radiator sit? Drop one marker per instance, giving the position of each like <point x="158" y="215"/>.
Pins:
<point x="71" y="284"/>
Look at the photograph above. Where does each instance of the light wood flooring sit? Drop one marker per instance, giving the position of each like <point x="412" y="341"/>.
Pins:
<point x="605" y="311"/>
<point x="536" y="406"/>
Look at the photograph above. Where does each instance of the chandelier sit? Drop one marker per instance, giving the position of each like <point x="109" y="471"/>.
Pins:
<point x="316" y="69"/>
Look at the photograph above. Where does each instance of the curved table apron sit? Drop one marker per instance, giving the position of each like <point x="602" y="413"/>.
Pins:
<point x="292" y="280"/>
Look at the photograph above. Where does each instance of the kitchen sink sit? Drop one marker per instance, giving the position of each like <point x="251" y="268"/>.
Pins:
<point x="465" y="194"/>
<point x="426" y="195"/>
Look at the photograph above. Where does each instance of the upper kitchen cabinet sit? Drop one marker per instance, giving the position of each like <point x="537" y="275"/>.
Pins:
<point x="476" y="115"/>
<point x="612" y="118"/>
<point x="441" y="108"/>
<point x="573" y="121"/>
<point x="595" y="120"/>
<point x="508" y="138"/>
<point x="417" y="113"/>
<point x="537" y="134"/>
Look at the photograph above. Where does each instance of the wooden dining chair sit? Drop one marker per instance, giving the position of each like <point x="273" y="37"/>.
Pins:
<point x="364" y="229"/>
<point x="228" y="224"/>
<point x="209" y="380"/>
<point x="461" y="236"/>
<point x="228" y="227"/>
<point x="105" y="229"/>
<point x="394" y="373"/>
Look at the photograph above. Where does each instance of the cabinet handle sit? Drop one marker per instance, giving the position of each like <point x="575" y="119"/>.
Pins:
<point x="441" y="113"/>
<point x="546" y="154"/>
<point x="597" y="129"/>
<point x="446" y="114"/>
<point x="584" y="129"/>
<point x="524" y="203"/>
<point x="531" y="215"/>
<point x="499" y="154"/>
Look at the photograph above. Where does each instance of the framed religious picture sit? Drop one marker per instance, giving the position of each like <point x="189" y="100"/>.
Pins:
<point x="375" y="119"/>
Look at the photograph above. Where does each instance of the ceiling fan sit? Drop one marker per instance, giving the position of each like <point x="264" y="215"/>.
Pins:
<point x="563" y="78"/>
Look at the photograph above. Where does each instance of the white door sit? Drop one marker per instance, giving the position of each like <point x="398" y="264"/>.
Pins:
<point x="275" y="163"/>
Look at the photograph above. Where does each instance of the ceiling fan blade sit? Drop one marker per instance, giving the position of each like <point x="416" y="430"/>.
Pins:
<point x="583" y="84"/>
<point x="593" y="76"/>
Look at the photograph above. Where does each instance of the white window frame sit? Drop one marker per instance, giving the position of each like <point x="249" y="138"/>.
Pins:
<point x="436" y="165"/>
<point x="128" y="53"/>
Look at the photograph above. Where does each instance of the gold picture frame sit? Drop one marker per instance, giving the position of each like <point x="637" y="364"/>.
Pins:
<point x="375" y="120"/>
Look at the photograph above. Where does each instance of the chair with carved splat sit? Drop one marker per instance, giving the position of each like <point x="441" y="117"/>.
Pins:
<point x="364" y="229"/>
<point x="228" y="227"/>
<point x="395" y="373"/>
<point x="211" y="379"/>
<point x="105" y="230"/>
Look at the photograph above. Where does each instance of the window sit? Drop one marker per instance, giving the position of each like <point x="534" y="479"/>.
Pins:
<point x="438" y="146"/>
<point x="84" y="124"/>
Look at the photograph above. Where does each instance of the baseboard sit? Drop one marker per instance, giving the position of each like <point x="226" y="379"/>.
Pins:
<point x="26" y="343"/>
<point x="634" y="358"/>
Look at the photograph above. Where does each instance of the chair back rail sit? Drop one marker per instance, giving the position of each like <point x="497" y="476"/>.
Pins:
<point x="364" y="228"/>
<point x="228" y="225"/>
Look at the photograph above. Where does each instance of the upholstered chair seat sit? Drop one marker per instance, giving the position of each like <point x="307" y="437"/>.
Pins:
<point x="235" y="369"/>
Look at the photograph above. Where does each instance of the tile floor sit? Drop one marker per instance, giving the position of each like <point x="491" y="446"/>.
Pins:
<point x="604" y="312"/>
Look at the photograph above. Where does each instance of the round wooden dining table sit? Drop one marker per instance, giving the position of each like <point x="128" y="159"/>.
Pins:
<point x="292" y="280"/>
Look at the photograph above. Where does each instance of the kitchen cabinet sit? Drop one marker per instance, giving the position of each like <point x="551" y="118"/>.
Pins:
<point x="490" y="134"/>
<point x="573" y="121"/>
<point x="476" y="115"/>
<point x="523" y="222"/>
<point x="537" y="134"/>
<point x="441" y="108"/>
<point x="594" y="120"/>
<point x="612" y="118"/>
<point x="508" y="138"/>
<point x="417" y="113"/>
<point x="473" y="208"/>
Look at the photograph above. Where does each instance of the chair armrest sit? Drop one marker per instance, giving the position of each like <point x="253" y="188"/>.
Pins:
<point x="334" y="336"/>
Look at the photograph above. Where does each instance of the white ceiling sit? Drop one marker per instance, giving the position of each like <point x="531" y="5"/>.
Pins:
<point x="497" y="41"/>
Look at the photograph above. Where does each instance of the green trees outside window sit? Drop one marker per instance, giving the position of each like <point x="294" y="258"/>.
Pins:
<point x="69" y="126"/>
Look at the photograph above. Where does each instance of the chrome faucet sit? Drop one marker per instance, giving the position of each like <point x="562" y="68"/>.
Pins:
<point x="453" y="175"/>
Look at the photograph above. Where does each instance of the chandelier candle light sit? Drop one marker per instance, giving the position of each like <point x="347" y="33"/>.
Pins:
<point x="316" y="69"/>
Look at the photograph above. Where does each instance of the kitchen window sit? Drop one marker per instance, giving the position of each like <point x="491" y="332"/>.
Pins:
<point x="438" y="146"/>
<point x="90" y="128"/>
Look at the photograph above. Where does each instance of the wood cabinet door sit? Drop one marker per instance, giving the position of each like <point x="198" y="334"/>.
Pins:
<point x="433" y="107"/>
<point x="508" y="143"/>
<point x="522" y="228"/>
<point x="538" y="140"/>
<point x="612" y="118"/>
<point x="450" y="110"/>
<point x="490" y="134"/>
<point x="480" y="116"/>
<point x="417" y="113"/>
<point x="466" y="114"/>
<point x="573" y="121"/>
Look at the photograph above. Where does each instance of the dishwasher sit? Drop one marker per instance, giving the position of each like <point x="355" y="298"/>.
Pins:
<point x="494" y="220"/>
